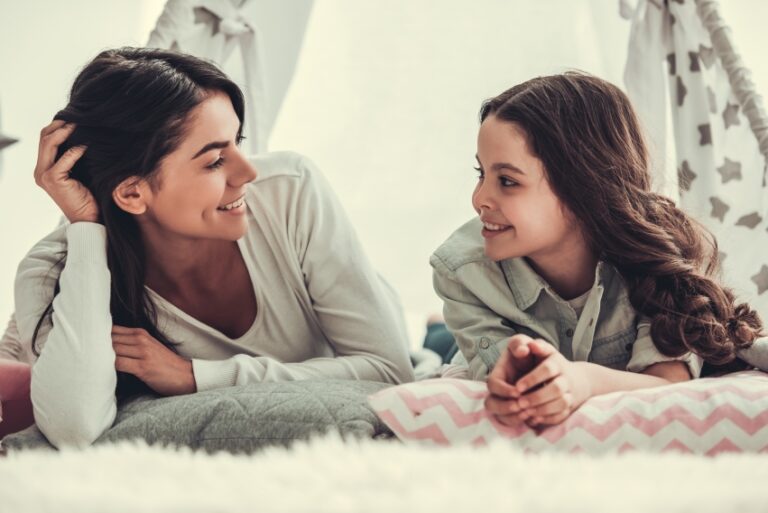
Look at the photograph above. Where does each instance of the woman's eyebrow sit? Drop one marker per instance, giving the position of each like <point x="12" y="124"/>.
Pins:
<point x="216" y="145"/>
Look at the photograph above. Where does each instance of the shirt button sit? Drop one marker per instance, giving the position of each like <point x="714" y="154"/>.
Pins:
<point x="591" y="321"/>
<point x="569" y="332"/>
<point x="484" y="343"/>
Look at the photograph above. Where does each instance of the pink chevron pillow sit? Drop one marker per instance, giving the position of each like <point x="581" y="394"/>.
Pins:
<point x="704" y="416"/>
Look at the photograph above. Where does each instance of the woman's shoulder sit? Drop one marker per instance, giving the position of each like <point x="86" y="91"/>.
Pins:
<point x="281" y="164"/>
<point x="464" y="246"/>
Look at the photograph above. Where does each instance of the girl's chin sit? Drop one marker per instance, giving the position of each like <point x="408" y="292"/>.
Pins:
<point x="495" y="253"/>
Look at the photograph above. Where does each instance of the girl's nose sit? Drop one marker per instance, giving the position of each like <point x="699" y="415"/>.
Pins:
<point x="481" y="198"/>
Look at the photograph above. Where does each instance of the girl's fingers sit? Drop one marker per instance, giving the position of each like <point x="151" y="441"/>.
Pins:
<point x="549" y="392"/>
<point x="558" y="405"/>
<point x="551" y="420"/>
<point x="511" y="420"/>
<point x="499" y="406"/>
<point x="498" y="386"/>
<point x="546" y="370"/>
<point x="542" y="349"/>
<point x="501" y="378"/>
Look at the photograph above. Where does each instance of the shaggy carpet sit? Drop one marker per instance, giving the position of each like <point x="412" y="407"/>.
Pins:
<point x="329" y="475"/>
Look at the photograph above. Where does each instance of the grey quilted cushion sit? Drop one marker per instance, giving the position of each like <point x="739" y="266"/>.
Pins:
<point x="239" y="419"/>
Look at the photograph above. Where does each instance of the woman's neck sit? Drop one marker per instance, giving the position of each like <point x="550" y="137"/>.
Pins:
<point x="570" y="271"/>
<point x="175" y="263"/>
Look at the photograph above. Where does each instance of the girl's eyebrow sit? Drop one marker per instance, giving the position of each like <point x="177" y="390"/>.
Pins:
<point x="216" y="145"/>
<point x="503" y="166"/>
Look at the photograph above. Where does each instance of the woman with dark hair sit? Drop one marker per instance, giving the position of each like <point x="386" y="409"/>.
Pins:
<point x="186" y="266"/>
<point x="576" y="279"/>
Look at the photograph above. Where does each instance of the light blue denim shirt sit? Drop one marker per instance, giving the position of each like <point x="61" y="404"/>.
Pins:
<point x="486" y="302"/>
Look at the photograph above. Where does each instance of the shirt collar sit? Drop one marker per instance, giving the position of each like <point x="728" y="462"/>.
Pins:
<point x="526" y="285"/>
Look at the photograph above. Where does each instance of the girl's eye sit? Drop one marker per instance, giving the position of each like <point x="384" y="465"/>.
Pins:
<point x="506" y="182"/>
<point x="240" y="138"/>
<point x="479" y="172"/>
<point x="216" y="165"/>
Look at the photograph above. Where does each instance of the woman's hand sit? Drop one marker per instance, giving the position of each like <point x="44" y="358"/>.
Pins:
<point x="73" y="198"/>
<point x="553" y="390"/>
<point x="142" y="355"/>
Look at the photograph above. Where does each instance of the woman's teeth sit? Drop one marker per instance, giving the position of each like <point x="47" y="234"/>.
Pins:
<point x="234" y="204"/>
<point x="494" y="227"/>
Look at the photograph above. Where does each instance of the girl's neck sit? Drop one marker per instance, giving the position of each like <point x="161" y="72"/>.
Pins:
<point x="570" y="272"/>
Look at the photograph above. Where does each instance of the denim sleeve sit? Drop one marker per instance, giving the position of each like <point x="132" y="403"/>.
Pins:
<point x="479" y="331"/>
<point x="645" y="353"/>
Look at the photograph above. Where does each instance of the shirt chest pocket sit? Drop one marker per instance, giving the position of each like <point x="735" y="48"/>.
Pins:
<point x="613" y="351"/>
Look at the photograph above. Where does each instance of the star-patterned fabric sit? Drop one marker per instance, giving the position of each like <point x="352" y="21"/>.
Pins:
<point x="720" y="169"/>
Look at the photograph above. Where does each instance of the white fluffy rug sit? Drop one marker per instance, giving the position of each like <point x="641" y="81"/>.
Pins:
<point x="328" y="475"/>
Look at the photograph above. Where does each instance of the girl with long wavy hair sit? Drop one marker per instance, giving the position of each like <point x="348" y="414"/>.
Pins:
<point x="185" y="264"/>
<point x="576" y="279"/>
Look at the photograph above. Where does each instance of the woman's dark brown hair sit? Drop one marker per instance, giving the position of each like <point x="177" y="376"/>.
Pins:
<point x="588" y="137"/>
<point x="130" y="106"/>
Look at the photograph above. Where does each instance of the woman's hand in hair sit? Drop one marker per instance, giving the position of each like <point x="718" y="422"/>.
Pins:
<point x="515" y="362"/>
<point x="554" y="389"/>
<point x="140" y="354"/>
<point x="72" y="197"/>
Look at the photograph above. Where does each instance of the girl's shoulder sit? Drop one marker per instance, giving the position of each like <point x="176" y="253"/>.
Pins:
<point x="464" y="246"/>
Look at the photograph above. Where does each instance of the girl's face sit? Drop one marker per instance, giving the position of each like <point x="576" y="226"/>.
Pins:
<point x="200" y="187"/>
<point x="521" y="215"/>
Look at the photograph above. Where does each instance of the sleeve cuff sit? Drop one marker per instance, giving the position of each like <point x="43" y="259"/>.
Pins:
<point x="212" y="374"/>
<point x="86" y="242"/>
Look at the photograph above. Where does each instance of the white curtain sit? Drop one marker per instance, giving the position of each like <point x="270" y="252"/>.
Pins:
<point x="720" y="168"/>
<point x="268" y="36"/>
<point x="5" y="141"/>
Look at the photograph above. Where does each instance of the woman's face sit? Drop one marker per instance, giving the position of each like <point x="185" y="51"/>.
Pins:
<point x="199" y="190"/>
<point x="522" y="217"/>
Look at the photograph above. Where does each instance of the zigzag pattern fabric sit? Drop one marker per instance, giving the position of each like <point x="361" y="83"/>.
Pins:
<point x="704" y="416"/>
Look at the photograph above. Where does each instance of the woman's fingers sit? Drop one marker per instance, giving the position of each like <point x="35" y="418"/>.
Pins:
<point x="128" y="350"/>
<point x="52" y="127"/>
<point x="49" y="145"/>
<point x="60" y="170"/>
<point x="129" y="365"/>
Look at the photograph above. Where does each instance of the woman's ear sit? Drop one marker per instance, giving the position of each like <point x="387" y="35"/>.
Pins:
<point x="132" y="195"/>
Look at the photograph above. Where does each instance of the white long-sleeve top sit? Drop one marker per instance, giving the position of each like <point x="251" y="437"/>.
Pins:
<point x="323" y="312"/>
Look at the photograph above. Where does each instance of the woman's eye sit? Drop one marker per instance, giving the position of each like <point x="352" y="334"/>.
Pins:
<point x="240" y="138"/>
<point x="479" y="173"/>
<point x="219" y="162"/>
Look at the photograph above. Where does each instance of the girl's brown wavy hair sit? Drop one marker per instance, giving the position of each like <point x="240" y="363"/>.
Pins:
<point x="587" y="135"/>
